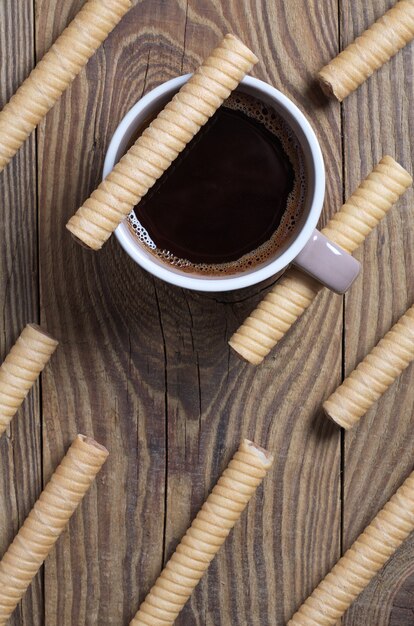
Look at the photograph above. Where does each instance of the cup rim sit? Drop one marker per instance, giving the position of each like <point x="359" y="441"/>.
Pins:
<point x="225" y="283"/>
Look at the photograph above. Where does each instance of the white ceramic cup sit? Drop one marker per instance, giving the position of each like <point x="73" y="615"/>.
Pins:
<point x="307" y="248"/>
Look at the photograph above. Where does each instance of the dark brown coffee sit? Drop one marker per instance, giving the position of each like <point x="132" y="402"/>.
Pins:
<point x="231" y="197"/>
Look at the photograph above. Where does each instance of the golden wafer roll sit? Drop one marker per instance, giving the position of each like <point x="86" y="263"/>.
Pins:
<point x="21" y="368"/>
<point x="294" y="292"/>
<point x="368" y="205"/>
<point x="391" y="356"/>
<point x="55" y="72"/>
<point x="205" y="536"/>
<point x="161" y="142"/>
<point x="47" y="520"/>
<point x="354" y="571"/>
<point x="369" y="51"/>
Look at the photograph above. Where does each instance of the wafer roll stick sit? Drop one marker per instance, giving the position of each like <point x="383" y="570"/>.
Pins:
<point x="21" y="368"/>
<point x="47" y="520"/>
<point x="55" y="72"/>
<point x="161" y="142"/>
<point x="354" y="571"/>
<point x="390" y="357"/>
<point x="294" y="292"/>
<point x="369" y="51"/>
<point x="205" y="536"/>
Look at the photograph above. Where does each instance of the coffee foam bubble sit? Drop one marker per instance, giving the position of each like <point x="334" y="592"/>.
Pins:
<point x="267" y="116"/>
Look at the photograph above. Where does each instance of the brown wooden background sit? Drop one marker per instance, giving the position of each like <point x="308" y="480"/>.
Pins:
<point x="145" y="367"/>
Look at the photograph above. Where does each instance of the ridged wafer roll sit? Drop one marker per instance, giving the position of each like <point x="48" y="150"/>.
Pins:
<point x="47" y="520"/>
<point x="161" y="142"/>
<point x="362" y="388"/>
<point x="355" y="570"/>
<point x="21" y="368"/>
<point x="205" y="536"/>
<point x="369" y="52"/>
<point x="294" y="292"/>
<point x="55" y="72"/>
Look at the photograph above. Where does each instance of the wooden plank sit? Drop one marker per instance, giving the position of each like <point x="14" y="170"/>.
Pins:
<point x="108" y="378"/>
<point x="378" y="453"/>
<point x="20" y="447"/>
<point x="402" y="609"/>
<point x="290" y="535"/>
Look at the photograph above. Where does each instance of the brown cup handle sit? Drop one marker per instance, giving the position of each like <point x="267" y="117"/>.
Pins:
<point x="328" y="263"/>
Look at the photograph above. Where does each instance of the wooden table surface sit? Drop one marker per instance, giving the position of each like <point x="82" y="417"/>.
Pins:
<point x="145" y="368"/>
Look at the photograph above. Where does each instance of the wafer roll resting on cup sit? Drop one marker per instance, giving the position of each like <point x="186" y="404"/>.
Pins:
<point x="369" y="51"/>
<point x="294" y="292"/>
<point x="47" y="520"/>
<point x="21" y="368"/>
<point x="161" y="142"/>
<point x="55" y="72"/>
<point x="355" y="570"/>
<point x="205" y="536"/>
<point x="390" y="357"/>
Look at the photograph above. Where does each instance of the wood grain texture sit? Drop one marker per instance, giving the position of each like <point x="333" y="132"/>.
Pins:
<point x="20" y="450"/>
<point x="110" y="349"/>
<point x="257" y="581"/>
<point x="402" y="609"/>
<point x="145" y="367"/>
<point x="378" y="119"/>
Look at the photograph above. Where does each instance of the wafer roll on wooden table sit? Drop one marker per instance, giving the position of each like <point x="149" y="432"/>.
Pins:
<point x="161" y="142"/>
<point x="56" y="71"/>
<point x="369" y="52"/>
<point x="21" y="368"/>
<point x="295" y="291"/>
<point x="205" y="536"/>
<point x="362" y="388"/>
<point x="355" y="570"/>
<point x="47" y="520"/>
